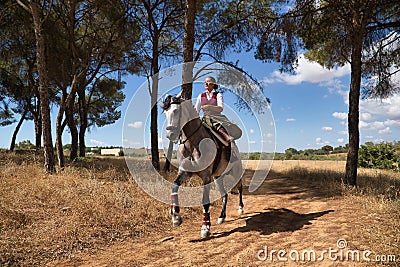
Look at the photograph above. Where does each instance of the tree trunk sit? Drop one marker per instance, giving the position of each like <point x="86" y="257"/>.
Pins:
<point x="188" y="64"/>
<point x="38" y="131"/>
<point x="69" y="115"/>
<point x="16" y="130"/>
<point x="43" y="89"/>
<point x="59" y="131"/>
<point x="155" y="159"/>
<point x="83" y="122"/>
<point x="167" y="166"/>
<point x="354" y="113"/>
<point x="82" y="145"/>
<point x="188" y="46"/>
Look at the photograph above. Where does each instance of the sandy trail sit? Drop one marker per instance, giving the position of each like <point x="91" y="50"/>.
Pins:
<point x="283" y="214"/>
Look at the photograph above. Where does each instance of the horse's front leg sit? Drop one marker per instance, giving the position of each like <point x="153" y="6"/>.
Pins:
<point x="205" y="228"/>
<point x="176" y="217"/>
<point x="220" y="186"/>
<point x="241" y="205"/>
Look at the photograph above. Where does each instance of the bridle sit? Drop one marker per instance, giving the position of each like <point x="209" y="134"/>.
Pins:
<point x="179" y="124"/>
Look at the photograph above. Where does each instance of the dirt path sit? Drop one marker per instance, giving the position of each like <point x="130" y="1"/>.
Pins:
<point x="284" y="214"/>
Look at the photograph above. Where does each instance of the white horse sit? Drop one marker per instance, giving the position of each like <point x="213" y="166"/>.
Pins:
<point x="201" y="153"/>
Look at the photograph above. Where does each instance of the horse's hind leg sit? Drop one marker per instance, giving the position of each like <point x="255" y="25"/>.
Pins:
<point x="220" y="186"/>
<point x="205" y="228"/>
<point x="240" y="189"/>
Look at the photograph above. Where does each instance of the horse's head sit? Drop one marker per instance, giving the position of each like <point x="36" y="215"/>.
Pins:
<point x="173" y="111"/>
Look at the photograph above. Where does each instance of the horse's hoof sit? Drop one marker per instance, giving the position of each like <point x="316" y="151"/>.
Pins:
<point x="220" y="220"/>
<point x="176" y="219"/>
<point x="240" y="211"/>
<point x="205" y="233"/>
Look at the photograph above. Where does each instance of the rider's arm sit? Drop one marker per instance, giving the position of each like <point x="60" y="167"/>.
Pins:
<point x="198" y="104"/>
<point x="218" y="108"/>
<point x="212" y="108"/>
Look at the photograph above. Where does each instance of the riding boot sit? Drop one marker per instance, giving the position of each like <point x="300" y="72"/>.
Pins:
<point x="225" y="135"/>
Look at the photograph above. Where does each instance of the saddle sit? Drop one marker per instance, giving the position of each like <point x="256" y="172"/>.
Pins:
<point x="222" y="146"/>
<point x="217" y="135"/>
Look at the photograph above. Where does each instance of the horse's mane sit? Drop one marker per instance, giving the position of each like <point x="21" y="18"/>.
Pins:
<point x="169" y="100"/>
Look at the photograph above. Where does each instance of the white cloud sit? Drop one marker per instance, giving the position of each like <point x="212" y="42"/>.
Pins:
<point x="385" y="111"/>
<point x="290" y="119"/>
<point x="365" y="116"/>
<point x="340" y="115"/>
<point x="97" y="143"/>
<point x="136" y="124"/>
<point x="267" y="141"/>
<point x="378" y="125"/>
<point x="252" y="142"/>
<point x="342" y="132"/>
<point x="320" y="142"/>
<point x="392" y="123"/>
<point x="385" y="131"/>
<point x="340" y="140"/>
<point x="327" y="129"/>
<point x="372" y="126"/>
<point x="308" y="71"/>
<point x="390" y="107"/>
<point x="251" y="130"/>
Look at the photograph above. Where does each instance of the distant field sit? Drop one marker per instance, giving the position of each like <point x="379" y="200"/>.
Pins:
<point x="282" y="165"/>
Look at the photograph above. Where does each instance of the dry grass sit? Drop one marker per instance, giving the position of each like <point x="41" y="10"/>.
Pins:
<point x="47" y="217"/>
<point x="88" y="205"/>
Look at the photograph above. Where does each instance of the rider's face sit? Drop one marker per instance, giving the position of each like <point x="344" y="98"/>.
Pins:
<point x="209" y="85"/>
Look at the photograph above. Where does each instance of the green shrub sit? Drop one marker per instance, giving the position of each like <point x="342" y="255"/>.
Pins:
<point x="379" y="156"/>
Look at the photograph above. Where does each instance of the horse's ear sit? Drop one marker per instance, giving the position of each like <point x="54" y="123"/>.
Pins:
<point x="165" y="104"/>
<point x="176" y="99"/>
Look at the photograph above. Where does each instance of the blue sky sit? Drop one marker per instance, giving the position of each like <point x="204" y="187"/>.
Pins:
<point x="309" y="109"/>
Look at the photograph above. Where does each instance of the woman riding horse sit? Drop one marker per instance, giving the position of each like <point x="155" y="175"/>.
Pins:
<point x="212" y="104"/>
<point x="199" y="153"/>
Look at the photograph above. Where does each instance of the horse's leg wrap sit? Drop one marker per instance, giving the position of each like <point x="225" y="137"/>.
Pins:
<point x="176" y="217"/>
<point x="174" y="203"/>
<point x="206" y="219"/>
<point x="205" y="228"/>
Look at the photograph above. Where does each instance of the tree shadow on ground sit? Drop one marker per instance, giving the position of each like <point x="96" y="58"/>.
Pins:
<point x="300" y="186"/>
<point x="272" y="221"/>
<point x="303" y="183"/>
